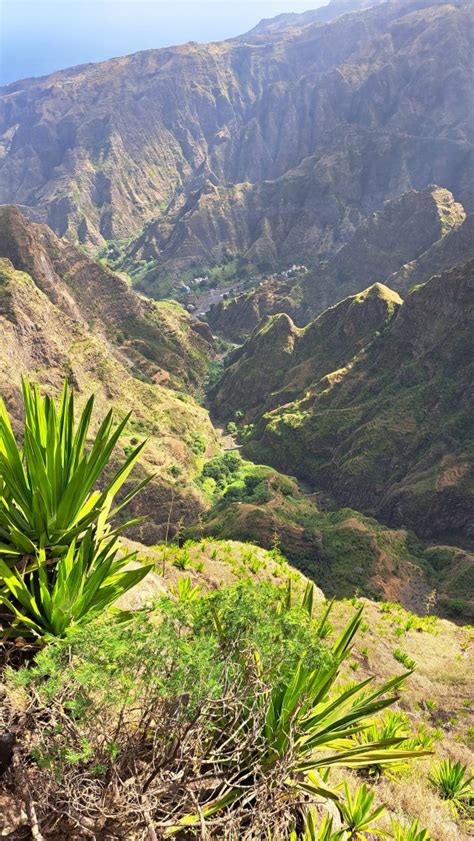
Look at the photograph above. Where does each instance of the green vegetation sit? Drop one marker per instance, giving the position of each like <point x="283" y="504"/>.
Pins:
<point x="240" y="679"/>
<point x="404" y="659"/>
<point x="342" y="551"/>
<point x="48" y="491"/>
<point x="452" y="783"/>
<point x="62" y="564"/>
<point x="227" y="478"/>
<point x="410" y="832"/>
<point x="358" y="812"/>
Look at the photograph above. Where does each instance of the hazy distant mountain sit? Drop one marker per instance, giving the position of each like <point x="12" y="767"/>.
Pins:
<point x="271" y="147"/>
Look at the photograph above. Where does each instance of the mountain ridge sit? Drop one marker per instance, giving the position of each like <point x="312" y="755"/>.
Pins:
<point x="401" y="232"/>
<point x="390" y="432"/>
<point x="167" y="127"/>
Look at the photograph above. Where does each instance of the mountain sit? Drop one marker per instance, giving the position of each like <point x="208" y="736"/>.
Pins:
<point x="272" y="147"/>
<point x="389" y="432"/>
<point x="288" y="20"/>
<point x="456" y="247"/>
<point x="382" y="245"/>
<point x="279" y="361"/>
<point x="62" y="314"/>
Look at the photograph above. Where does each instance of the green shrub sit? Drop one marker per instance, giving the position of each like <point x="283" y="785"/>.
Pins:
<point x="222" y="467"/>
<point x="209" y="706"/>
<point x="198" y="444"/>
<point x="455" y="607"/>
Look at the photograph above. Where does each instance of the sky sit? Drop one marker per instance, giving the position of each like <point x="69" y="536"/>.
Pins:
<point x="40" y="36"/>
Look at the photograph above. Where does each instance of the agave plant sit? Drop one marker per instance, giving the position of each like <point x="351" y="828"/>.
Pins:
<point x="392" y="724"/>
<point x="313" y="832"/>
<point x="357" y="812"/>
<point x="409" y="831"/>
<point x="452" y="783"/>
<point x="48" y="490"/>
<point x="46" y="598"/>
<point x="313" y="731"/>
<point x="61" y="560"/>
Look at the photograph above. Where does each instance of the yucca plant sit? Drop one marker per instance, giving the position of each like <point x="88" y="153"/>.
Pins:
<point x="48" y="489"/>
<point x="311" y="731"/>
<point x="46" y="598"/>
<point x="409" y="831"/>
<point x="61" y="560"/>
<point x="452" y="783"/>
<point x="393" y="724"/>
<point x="358" y="813"/>
<point x="185" y="592"/>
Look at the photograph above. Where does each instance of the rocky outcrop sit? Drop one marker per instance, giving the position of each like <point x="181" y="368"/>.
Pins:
<point x="456" y="247"/>
<point x="272" y="147"/>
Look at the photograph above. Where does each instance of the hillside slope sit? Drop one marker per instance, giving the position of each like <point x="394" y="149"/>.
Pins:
<point x="271" y="147"/>
<point x="63" y="317"/>
<point x="391" y="432"/>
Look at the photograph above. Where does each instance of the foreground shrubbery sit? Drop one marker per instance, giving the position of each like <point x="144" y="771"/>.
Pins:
<point x="221" y="715"/>
<point x="221" y="711"/>
<point x="60" y="561"/>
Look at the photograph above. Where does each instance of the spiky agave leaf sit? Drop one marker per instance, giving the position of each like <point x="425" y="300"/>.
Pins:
<point x="48" y="490"/>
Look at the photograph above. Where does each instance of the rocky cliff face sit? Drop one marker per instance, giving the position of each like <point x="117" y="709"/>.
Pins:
<point x="62" y="315"/>
<point x="456" y="247"/>
<point x="385" y="248"/>
<point x="273" y="146"/>
<point x="389" y="433"/>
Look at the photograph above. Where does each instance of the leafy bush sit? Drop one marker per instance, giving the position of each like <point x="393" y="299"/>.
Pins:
<point x="222" y="467"/>
<point x="221" y="709"/>
<point x="198" y="443"/>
